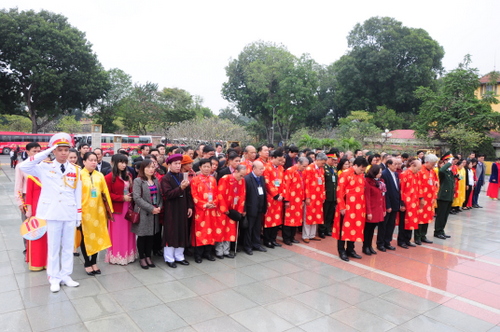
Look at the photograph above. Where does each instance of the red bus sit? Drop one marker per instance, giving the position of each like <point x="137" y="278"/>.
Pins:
<point x="129" y="142"/>
<point x="10" y="140"/>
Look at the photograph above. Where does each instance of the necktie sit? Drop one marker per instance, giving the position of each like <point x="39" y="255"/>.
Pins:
<point x="62" y="168"/>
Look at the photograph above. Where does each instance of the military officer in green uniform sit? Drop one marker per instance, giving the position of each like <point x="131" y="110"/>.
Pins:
<point x="445" y="196"/>
<point x="331" y="179"/>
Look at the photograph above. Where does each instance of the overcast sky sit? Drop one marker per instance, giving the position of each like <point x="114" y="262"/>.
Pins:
<point x="187" y="44"/>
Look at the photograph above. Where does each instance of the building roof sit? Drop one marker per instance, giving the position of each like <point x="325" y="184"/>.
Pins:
<point x="403" y="134"/>
<point x="486" y="79"/>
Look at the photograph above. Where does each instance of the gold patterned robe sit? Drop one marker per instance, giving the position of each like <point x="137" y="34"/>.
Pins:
<point x="94" y="220"/>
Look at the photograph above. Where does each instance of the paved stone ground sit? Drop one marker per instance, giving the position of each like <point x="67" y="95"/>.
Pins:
<point x="451" y="285"/>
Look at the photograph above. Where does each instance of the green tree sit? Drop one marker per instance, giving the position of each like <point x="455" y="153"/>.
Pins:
<point x="270" y="85"/>
<point x="357" y="125"/>
<point x="146" y="109"/>
<point x="140" y="109"/>
<point x="385" y="64"/>
<point x="176" y="105"/>
<point x="455" y="105"/>
<point x="15" y="123"/>
<point x="46" y="65"/>
<point x="200" y="110"/>
<point x="69" y="124"/>
<point x="107" y="109"/>
<point x="325" y="113"/>
<point x="232" y="115"/>
<point x="386" y="118"/>
<point x="462" y="139"/>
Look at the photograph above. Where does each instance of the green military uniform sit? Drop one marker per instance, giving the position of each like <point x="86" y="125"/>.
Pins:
<point x="331" y="179"/>
<point x="444" y="199"/>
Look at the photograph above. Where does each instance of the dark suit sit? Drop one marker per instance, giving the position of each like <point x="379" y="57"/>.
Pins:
<point x="104" y="168"/>
<point x="255" y="207"/>
<point x="393" y="202"/>
<point x="222" y="172"/>
<point x="331" y="180"/>
<point x="289" y="161"/>
<point x="480" y="182"/>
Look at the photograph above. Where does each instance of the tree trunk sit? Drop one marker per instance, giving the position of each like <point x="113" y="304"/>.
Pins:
<point x="34" y="124"/>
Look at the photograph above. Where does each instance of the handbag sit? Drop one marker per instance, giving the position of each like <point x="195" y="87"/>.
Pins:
<point x="131" y="215"/>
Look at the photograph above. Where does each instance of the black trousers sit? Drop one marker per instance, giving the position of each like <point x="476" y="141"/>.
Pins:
<point x="442" y="213"/>
<point x="145" y="245"/>
<point x="404" y="235"/>
<point x="368" y="233"/>
<point x="200" y="251"/>
<point x="328" y="214"/>
<point x="270" y="234"/>
<point x="289" y="233"/>
<point x="421" y="232"/>
<point x="251" y="235"/>
<point x="386" y="229"/>
<point x="89" y="260"/>
<point x="343" y="246"/>
<point x="157" y="240"/>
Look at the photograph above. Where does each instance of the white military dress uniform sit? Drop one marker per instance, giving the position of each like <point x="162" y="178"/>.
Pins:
<point x="60" y="204"/>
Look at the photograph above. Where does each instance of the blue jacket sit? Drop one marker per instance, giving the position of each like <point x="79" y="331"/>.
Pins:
<point x="494" y="173"/>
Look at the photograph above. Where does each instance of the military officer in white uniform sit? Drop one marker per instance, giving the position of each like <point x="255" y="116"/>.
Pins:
<point x="60" y="204"/>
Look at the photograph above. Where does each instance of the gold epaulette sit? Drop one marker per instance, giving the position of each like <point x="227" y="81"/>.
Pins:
<point x="76" y="165"/>
<point x="47" y="161"/>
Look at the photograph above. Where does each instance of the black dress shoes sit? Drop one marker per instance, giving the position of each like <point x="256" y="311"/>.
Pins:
<point x="367" y="251"/>
<point x="219" y="256"/>
<point x="209" y="257"/>
<point x="389" y="247"/>
<point x="373" y="252"/>
<point x="321" y="235"/>
<point x="171" y="264"/>
<point x="197" y="259"/>
<point x="261" y="249"/>
<point x="403" y="245"/>
<point x="288" y="243"/>
<point x="440" y="236"/>
<point x="329" y="234"/>
<point x="343" y="256"/>
<point x="353" y="254"/>
<point x="381" y="249"/>
<point x="230" y="255"/>
<point x="184" y="262"/>
<point x="248" y="252"/>
<point x="418" y="242"/>
<point x="425" y="240"/>
<point x="295" y="241"/>
<point x="269" y="245"/>
<point x="446" y="236"/>
<point x="409" y="244"/>
<point x="276" y="244"/>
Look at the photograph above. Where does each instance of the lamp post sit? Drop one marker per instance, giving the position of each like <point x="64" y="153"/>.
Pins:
<point x="386" y="135"/>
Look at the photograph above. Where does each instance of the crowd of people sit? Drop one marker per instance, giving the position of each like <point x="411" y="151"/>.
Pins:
<point x="211" y="203"/>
